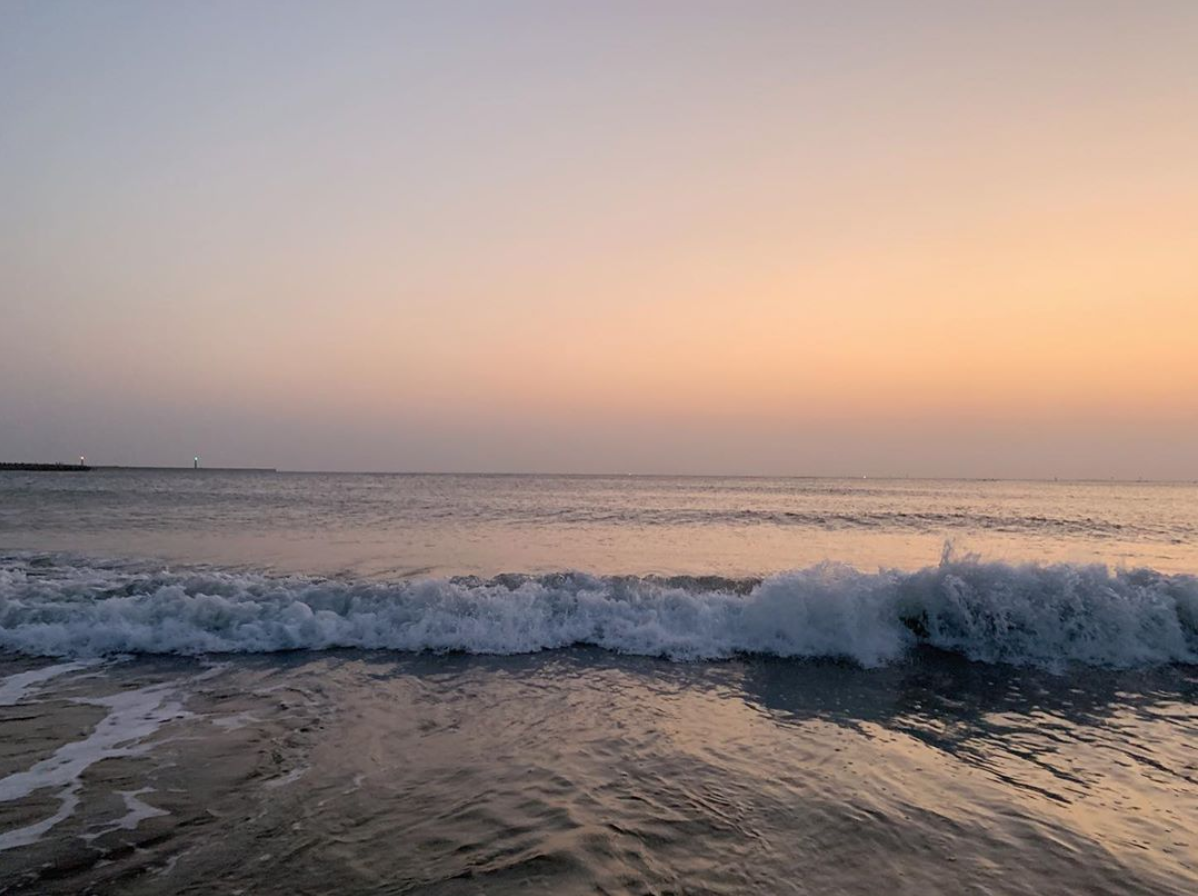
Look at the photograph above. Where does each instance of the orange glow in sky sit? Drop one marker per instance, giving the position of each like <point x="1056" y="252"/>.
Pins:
<point x="793" y="238"/>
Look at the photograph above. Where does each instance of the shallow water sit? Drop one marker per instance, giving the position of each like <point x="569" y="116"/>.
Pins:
<point x="239" y="683"/>
<point x="582" y="771"/>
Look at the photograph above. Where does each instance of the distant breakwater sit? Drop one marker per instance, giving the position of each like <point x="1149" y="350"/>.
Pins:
<point x="109" y="468"/>
<point x="85" y="468"/>
<point x="45" y="468"/>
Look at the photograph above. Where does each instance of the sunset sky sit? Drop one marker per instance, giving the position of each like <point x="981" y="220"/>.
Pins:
<point x="925" y="238"/>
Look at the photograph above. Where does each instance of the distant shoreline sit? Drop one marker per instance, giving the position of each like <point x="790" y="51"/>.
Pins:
<point x="86" y="468"/>
<point x="45" y="468"/>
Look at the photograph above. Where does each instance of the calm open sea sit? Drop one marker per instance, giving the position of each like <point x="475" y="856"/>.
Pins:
<point x="300" y="683"/>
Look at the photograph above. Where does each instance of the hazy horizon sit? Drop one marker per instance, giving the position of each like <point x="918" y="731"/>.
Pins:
<point x="929" y="240"/>
<point x="603" y="474"/>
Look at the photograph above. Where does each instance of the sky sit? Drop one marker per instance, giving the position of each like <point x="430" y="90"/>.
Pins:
<point x="795" y="238"/>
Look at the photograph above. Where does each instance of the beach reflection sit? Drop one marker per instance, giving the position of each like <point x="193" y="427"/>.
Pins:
<point x="580" y="770"/>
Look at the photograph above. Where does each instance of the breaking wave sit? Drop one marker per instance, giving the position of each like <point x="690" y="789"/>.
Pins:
<point x="992" y="612"/>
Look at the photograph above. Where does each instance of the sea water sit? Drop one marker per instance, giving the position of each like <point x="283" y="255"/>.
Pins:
<point x="458" y="684"/>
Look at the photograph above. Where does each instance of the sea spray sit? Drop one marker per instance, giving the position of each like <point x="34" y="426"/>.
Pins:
<point x="1045" y="615"/>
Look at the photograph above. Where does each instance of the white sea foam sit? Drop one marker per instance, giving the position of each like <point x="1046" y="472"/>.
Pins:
<point x="15" y="688"/>
<point x="133" y="716"/>
<point x="136" y="811"/>
<point x="986" y="611"/>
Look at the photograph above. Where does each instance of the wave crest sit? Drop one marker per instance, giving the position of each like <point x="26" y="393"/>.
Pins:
<point x="993" y="612"/>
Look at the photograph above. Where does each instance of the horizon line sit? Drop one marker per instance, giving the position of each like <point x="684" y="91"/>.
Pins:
<point x="644" y="475"/>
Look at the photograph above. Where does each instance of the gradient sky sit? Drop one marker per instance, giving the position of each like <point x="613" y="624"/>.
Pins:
<point x="938" y="238"/>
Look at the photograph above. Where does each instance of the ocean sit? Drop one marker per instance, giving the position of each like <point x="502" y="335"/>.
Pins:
<point x="306" y="683"/>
